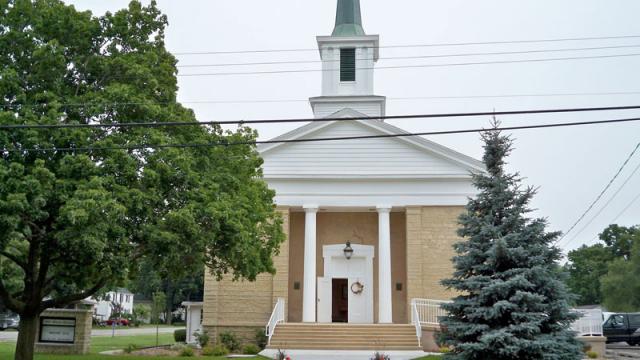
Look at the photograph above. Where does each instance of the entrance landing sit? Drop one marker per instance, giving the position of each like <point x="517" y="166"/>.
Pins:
<point x="369" y="337"/>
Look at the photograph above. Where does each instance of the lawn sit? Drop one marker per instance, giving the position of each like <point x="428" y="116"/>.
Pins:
<point x="99" y="344"/>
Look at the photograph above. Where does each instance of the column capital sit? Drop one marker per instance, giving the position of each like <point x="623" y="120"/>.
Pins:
<point x="384" y="208"/>
<point x="310" y="208"/>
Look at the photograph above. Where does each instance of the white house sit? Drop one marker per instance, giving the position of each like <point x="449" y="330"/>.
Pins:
<point x="120" y="297"/>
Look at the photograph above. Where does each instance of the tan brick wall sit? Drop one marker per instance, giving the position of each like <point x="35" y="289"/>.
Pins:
<point x="431" y="233"/>
<point x="82" y="341"/>
<point x="422" y="235"/>
<point x="243" y="303"/>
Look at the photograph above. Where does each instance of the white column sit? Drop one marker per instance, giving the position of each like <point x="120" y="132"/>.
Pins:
<point x="309" y="289"/>
<point x="385" y="308"/>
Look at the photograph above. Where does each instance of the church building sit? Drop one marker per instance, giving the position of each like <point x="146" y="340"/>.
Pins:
<point x="370" y="223"/>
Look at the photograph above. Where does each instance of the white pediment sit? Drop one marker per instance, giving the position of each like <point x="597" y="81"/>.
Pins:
<point x="401" y="157"/>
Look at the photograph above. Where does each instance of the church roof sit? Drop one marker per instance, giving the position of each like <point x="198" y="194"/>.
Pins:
<point x="459" y="164"/>
<point x="348" y="19"/>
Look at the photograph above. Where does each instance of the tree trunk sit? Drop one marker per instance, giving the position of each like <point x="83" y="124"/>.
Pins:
<point x="26" y="337"/>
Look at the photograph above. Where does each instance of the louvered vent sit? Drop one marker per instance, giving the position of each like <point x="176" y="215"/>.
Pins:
<point x="347" y="64"/>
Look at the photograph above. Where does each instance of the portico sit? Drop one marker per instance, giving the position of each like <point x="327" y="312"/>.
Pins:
<point x="316" y="304"/>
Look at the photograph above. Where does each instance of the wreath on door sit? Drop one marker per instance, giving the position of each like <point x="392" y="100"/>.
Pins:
<point x="357" y="288"/>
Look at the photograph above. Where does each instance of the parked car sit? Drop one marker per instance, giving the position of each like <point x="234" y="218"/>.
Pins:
<point x="9" y="321"/>
<point x="623" y="327"/>
<point x="118" y="322"/>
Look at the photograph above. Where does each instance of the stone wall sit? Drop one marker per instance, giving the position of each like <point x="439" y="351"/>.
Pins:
<point x="431" y="233"/>
<point x="241" y="306"/>
<point x="82" y="341"/>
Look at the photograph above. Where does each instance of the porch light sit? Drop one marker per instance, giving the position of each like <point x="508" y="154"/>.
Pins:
<point x="348" y="251"/>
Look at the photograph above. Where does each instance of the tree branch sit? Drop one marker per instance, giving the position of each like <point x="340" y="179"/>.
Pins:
<point x="65" y="300"/>
<point x="9" y="301"/>
<point x="15" y="259"/>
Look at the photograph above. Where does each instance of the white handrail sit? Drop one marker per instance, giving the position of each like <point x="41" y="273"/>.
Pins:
<point x="416" y="320"/>
<point x="277" y="316"/>
<point x="587" y="327"/>
<point x="429" y="312"/>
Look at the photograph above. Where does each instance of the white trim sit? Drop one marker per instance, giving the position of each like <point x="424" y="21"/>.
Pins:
<point x="385" y="298"/>
<point x="467" y="162"/>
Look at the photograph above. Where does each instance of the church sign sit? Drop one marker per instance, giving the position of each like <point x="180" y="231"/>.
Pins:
<point x="57" y="330"/>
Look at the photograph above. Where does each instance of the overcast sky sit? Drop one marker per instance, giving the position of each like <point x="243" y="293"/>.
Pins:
<point x="570" y="165"/>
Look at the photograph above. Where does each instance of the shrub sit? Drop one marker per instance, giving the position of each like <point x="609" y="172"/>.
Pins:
<point x="187" y="352"/>
<point x="445" y="349"/>
<point x="180" y="335"/>
<point x="207" y="351"/>
<point x="250" y="349"/>
<point x="261" y="339"/>
<point x="177" y="347"/>
<point x="592" y="354"/>
<point x="229" y="340"/>
<point x="202" y="338"/>
<point x="218" y="350"/>
<point x="130" y="348"/>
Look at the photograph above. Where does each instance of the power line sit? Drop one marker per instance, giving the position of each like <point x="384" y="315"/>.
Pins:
<point x="275" y="141"/>
<point x="631" y="203"/>
<point x="584" y="227"/>
<point x="328" y="119"/>
<point x="280" y="101"/>
<point x="601" y="193"/>
<point x="412" y="66"/>
<point x="501" y="42"/>
<point x="411" y="57"/>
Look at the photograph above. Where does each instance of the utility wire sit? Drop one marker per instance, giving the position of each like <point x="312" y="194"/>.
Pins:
<point x="284" y="141"/>
<point x="311" y="120"/>
<point x="410" y="57"/>
<point x="585" y="226"/>
<point x="631" y="203"/>
<point x="601" y="193"/>
<point x="411" y="66"/>
<point x="280" y="101"/>
<point x="415" y="45"/>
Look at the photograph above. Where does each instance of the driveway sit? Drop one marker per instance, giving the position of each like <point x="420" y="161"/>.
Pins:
<point x="8" y="336"/>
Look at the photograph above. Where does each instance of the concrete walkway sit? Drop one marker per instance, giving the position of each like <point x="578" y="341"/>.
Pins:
<point x="8" y="336"/>
<point x="343" y="355"/>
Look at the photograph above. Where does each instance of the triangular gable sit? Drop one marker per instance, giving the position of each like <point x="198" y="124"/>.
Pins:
<point x="380" y="157"/>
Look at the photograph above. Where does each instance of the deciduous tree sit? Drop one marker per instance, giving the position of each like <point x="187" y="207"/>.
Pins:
<point x="74" y="220"/>
<point x="586" y="266"/>
<point x="621" y="284"/>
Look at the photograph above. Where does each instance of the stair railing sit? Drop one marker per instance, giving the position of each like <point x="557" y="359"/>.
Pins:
<point x="429" y="312"/>
<point x="277" y="317"/>
<point x="415" y="316"/>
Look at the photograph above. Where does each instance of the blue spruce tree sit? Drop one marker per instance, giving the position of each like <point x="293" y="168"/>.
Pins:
<point x="513" y="304"/>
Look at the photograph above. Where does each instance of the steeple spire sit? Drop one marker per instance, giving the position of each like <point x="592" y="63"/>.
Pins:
<point x="348" y="19"/>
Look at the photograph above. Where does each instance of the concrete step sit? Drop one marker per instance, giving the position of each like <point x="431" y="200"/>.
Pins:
<point x="401" y="337"/>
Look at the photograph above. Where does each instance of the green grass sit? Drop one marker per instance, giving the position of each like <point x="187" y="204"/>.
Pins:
<point x="431" y="357"/>
<point x="99" y="344"/>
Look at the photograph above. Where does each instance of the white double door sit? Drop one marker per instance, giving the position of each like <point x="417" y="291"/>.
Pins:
<point x="360" y="304"/>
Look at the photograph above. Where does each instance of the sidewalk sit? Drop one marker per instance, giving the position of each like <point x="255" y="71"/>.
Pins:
<point x="343" y="355"/>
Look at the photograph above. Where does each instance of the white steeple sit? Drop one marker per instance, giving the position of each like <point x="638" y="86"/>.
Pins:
<point x="348" y="60"/>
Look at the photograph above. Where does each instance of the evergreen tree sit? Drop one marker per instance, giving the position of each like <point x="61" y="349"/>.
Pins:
<point x="512" y="302"/>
